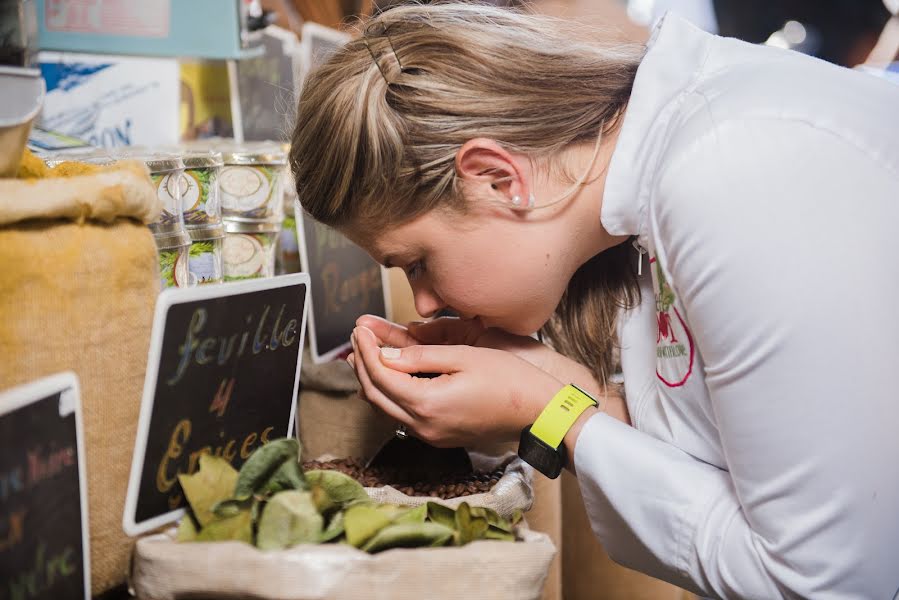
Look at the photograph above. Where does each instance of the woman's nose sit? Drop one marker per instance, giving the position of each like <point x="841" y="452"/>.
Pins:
<point x="427" y="302"/>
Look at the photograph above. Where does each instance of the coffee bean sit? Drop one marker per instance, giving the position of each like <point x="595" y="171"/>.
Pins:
<point x="434" y="484"/>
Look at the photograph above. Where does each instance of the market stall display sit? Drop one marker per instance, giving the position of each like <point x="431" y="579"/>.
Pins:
<point x="315" y="529"/>
<point x="80" y="271"/>
<point x="96" y="231"/>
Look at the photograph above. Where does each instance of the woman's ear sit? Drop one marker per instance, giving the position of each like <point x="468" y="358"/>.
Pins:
<point x="493" y="171"/>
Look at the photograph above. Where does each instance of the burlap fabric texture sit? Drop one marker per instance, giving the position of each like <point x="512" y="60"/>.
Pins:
<point x="78" y="284"/>
<point x="166" y="570"/>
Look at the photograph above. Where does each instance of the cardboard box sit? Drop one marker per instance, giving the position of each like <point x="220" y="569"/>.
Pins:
<point x="111" y="101"/>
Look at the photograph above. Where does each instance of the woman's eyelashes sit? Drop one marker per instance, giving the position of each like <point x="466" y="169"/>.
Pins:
<point x="415" y="269"/>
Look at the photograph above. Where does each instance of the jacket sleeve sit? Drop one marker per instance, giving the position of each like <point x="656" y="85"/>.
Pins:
<point x="779" y="239"/>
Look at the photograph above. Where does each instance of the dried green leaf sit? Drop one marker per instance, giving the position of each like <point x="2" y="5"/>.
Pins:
<point x="343" y="489"/>
<point x="444" y="515"/>
<point x="391" y="511"/>
<point x="289" y="476"/>
<point x="229" y="507"/>
<point x="409" y="535"/>
<point x="363" y="522"/>
<point x="263" y="468"/>
<point x="212" y="483"/>
<point x="414" y="515"/>
<point x="238" y="527"/>
<point x="289" y="518"/>
<point x="492" y="517"/>
<point x="256" y="510"/>
<point x="335" y="528"/>
<point x="469" y="528"/>
<point x="495" y="533"/>
<point x="323" y="501"/>
<point x="517" y="516"/>
<point x="187" y="529"/>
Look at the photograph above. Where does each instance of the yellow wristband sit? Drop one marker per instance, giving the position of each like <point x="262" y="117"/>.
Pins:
<point x="560" y="414"/>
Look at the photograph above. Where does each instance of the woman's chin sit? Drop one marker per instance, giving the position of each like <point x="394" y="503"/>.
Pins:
<point x="525" y="328"/>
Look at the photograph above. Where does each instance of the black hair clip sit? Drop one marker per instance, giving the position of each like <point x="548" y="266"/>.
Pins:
<point x="380" y="31"/>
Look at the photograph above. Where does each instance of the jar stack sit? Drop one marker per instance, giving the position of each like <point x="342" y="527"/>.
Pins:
<point x="251" y="186"/>
<point x="223" y="207"/>
<point x="201" y="198"/>
<point x="170" y="233"/>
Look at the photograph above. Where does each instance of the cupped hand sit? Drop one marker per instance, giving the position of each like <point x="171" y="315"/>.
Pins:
<point x="456" y="332"/>
<point x="481" y="395"/>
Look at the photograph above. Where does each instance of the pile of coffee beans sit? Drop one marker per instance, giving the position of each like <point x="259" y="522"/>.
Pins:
<point x="436" y="486"/>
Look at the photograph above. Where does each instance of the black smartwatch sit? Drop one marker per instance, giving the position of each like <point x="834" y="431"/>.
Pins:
<point x="541" y="444"/>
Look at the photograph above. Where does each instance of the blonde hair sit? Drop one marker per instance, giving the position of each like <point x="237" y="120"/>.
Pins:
<point x="379" y="125"/>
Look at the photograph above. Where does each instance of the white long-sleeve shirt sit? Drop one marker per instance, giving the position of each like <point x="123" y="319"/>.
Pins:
<point x="762" y="367"/>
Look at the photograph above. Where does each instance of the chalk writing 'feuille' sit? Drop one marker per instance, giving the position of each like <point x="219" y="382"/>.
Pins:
<point x="220" y="349"/>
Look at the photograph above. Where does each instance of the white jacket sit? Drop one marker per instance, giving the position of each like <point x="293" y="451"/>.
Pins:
<point x="762" y="368"/>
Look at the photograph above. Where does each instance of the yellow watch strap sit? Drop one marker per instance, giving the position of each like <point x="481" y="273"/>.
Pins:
<point x="560" y="414"/>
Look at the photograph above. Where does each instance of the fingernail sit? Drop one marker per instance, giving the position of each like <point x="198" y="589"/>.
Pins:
<point x="391" y="353"/>
<point x="416" y="323"/>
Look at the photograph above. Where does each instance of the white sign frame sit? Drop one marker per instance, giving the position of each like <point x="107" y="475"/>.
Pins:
<point x="66" y="384"/>
<point x="317" y="357"/>
<point x="166" y="300"/>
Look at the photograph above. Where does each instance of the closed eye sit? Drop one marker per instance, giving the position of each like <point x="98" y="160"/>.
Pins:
<point x="415" y="270"/>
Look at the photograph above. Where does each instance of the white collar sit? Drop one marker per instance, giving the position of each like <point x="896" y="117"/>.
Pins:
<point x="675" y="54"/>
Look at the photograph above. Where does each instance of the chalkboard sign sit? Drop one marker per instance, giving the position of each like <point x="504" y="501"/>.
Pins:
<point x="222" y="377"/>
<point x="346" y="283"/>
<point x="43" y="492"/>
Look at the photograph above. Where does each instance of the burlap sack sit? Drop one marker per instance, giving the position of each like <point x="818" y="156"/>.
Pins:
<point x="79" y="296"/>
<point x="166" y="570"/>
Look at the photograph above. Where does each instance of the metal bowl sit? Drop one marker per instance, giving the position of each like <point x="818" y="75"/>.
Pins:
<point x="23" y="96"/>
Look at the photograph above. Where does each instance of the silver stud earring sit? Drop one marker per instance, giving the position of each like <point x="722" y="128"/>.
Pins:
<point x="516" y="200"/>
<point x="531" y="200"/>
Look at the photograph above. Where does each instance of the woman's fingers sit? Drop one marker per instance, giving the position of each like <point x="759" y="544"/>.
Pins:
<point x="391" y="369"/>
<point x="446" y="330"/>
<point x="372" y="393"/>
<point x="403" y="389"/>
<point x="425" y="359"/>
<point x="388" y="334"/>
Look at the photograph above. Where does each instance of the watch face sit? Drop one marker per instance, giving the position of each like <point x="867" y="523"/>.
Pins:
<point x="538" y="454"/>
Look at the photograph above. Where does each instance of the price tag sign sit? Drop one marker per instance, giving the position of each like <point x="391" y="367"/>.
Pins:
<point x="346" y="283"/>
<point x="222" y="378"/>
<point x="44" y="535"/>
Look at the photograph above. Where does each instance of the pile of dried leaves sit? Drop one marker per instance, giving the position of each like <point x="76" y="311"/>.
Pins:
<point x="272" y="504"/>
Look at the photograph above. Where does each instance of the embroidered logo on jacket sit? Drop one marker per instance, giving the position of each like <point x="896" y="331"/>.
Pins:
<point x="674" y="344"/>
